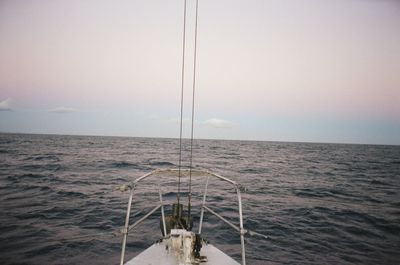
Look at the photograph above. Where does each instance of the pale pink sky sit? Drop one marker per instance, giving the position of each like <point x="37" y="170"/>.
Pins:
<point x="337" y="59"/>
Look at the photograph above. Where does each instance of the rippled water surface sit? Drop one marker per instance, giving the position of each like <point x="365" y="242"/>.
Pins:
<point x="318" y="203"/>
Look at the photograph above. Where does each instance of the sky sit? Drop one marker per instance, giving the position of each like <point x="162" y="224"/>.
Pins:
<point x="305" y="71"/>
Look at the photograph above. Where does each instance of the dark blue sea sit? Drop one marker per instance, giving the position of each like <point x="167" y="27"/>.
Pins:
<point x="318" y="203"/>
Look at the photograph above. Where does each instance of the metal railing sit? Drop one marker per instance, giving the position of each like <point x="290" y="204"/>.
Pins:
<point x="207" y="173"/>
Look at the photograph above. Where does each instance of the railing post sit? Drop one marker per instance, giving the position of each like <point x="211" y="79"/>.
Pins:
<point x="125" y="229"/>
<point x="204" y="203"/>
<point x="162" y="211"/>
<point x="242" y="231"/>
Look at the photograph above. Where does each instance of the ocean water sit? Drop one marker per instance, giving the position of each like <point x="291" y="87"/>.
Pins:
<point x="318" y="203"/>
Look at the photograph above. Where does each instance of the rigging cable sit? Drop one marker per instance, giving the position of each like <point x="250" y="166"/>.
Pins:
<point x="183" y="76"/>
<point x="193" y="97"/>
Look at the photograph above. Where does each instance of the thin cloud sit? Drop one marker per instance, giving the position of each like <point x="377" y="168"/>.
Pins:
<point x="5" y="105"/>
<point x="62" y="110"/>
<point x="178" y="120"/>
<point x="219" y="123"/>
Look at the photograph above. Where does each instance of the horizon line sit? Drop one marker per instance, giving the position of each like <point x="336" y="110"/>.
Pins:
<point x="203" y="139"/>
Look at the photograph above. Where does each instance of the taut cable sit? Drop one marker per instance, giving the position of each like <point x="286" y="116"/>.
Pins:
<point x="183" y="79"/>
<point x="193" y="98"/>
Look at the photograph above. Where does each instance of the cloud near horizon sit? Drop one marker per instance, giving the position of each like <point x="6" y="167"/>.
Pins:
<point x="5" y="105"/>
<point x="62" y="110"/>
<point x="178" y="120"/>
<point x="219" y="123"/>
<point x="213" y="123"/>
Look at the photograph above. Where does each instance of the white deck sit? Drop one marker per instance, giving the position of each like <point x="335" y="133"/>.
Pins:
<point x="158" y="255"/>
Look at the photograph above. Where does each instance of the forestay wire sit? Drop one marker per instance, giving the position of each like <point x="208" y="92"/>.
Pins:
<point x="193" y="98"/>
<point x="182" y="86"/>
<point x="193" y="107"/>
